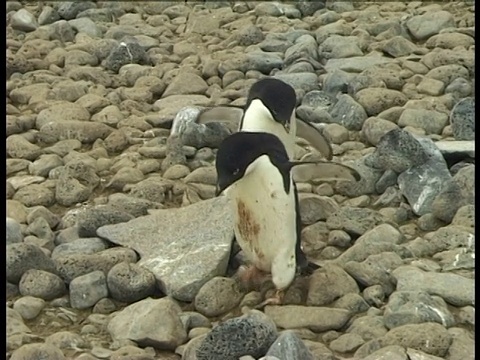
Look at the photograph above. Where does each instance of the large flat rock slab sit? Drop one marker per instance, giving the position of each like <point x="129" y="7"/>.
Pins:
<point x="183" y="248"/>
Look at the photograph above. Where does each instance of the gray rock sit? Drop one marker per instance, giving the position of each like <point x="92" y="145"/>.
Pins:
<point x="315" y="207"/>
<point x="454" y="289"/>
<point x="374" y="128"/>
<point x="85" y="131"/>
<point x="23" y="20"/>
<point x="150" y="322"/>
<point x="338" y="81"/>
<point x="289" y="346"/>
<point x="248" y="35"/>
<point x="308" y="8"/>
<point x="86" y="26"/>
<point x="352" y="302"/>
<point x="40" y="228"/>
<point x="462" y="346"/>
<point x="423" y="26"/>
<point x="15" y="323"/>
<point x="315" y="318"/>
<point x="367" y="183"/>
<point x="301" y="81"/>
<point x="129" y="282"/>
<point x="431" y="121"/>
<point x="459" y="88"/>
<point x="76" y="182"/>
<point x="87" y="289"/>
<point x="457" y="192"/>
<point x="218" y="296"/>
<point x="380" y="238"/>
<point x="414" y="307"/>
<point x="375" y="270"/>
<point x="66" y="340"/>
<point x="70" y="9"/>
<point x="92" y="219"/>
<point x="80" y="246"/>
<point x="125" y="175"/>
<point x="347" y="112"/>
<point x="250" y="334"/>
<point x="61" y="30"/>
<point x="447" y="73"/>
<point x="368" y="327"/>
<point x="71" y="266"/>
<point x="376" y="100"/>
<point x="191" y="254"/>
<point x="355" y="221"/>
<point x="41" y="284"/>
<point x="431" y="338"/>
<point x="462" y="119"/>
<point x="261" y="61"/>
<point x="16" y="165"/>
<point x="333" y="278"/>
<point x="421" y="184"/>
<point x="197" y="135"/>
<point x="186" y="83"/>
<point x="129" y="204"/>
<point x="29" y="307"/>
<point x="374" y="295"/>
<point x="21" y="257"/>
<point x="356" y="64"/>
<point x="37" y="351"/>
<point x="45" y="163"/>
<point x="62" y="111"/>
<point x="397" y="150"/>
<point x="305" y="47"/>
<point x="347" y="343"/>
<point x="21" y="148"/>
<point x="398" y="46"/>
<point x="47" y="16"/>
<point x="456" y="149"/>
<point x="337" y="46"/>
<point x="391" y="352"/>
<point x="14" y="231"/>
<point x="465" y="217"/>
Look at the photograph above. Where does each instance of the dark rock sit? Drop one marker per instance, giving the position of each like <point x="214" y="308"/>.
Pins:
<point x="42" y="284"/>
<point x="70" y="9"/>
<point x="251" y="334"/>
<point x="93" y="218"/>
<point x="397" y="150"/>
<point x="129" y="282"/>
<point x="22" y="257"/>
<point x="463" y="120"/>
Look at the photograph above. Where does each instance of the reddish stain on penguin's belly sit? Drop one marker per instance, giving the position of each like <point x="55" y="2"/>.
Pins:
<point x="248" y="228"/>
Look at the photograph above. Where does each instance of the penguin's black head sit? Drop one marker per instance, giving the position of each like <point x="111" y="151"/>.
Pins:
<point x="239" y="150"/>
<point x="277" y="96"/>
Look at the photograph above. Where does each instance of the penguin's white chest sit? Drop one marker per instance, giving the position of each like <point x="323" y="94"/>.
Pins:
<point x="257" y="118"/>
<point x="265" y="225"/>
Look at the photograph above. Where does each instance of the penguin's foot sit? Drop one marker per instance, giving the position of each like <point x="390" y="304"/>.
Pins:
<point x="276" y="299"/>
<point x="251" y="276"/>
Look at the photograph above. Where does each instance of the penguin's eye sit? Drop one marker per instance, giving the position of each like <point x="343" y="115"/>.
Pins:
<point x="235" y="172"/>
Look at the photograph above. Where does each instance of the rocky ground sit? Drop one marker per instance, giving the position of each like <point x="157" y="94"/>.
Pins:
<point x="116" y="246"/>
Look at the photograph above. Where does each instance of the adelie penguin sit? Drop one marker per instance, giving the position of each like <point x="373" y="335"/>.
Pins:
<point x="270" y="108"/>
<point x="254" y="171"/>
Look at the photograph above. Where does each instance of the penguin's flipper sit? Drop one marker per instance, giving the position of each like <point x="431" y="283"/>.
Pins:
<point x="324" y="171"/>
<point x="310" y="133"/>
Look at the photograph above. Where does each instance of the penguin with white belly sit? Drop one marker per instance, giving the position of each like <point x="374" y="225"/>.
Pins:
<point x="254" y="171"/>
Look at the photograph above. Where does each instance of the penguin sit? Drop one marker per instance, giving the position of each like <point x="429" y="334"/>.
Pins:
<point x="254" y="171"/>
<point x="270" y="107"/>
